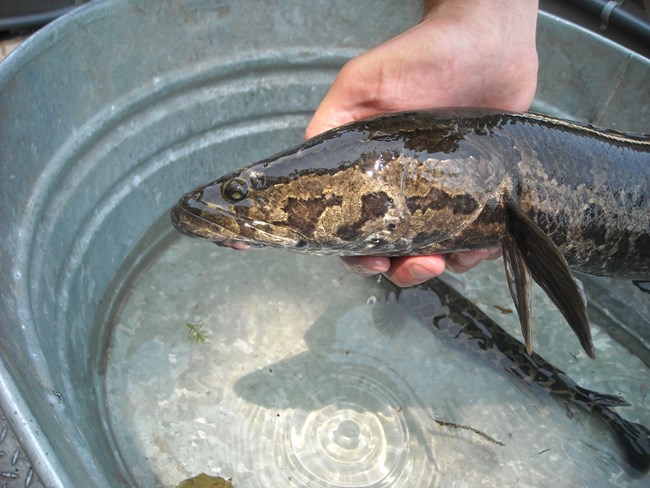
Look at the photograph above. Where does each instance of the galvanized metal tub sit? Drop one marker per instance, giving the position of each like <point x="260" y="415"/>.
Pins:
<point x="109" y="114"/>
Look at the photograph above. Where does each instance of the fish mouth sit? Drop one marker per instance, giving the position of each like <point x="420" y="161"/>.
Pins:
<point x="190" y="220"/>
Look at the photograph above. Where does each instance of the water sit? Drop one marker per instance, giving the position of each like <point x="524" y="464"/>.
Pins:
<point x="295" y="385"/>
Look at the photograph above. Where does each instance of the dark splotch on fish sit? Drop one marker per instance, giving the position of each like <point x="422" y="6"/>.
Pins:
<point x="554" y="194"/>
<point x="456" y="319"/>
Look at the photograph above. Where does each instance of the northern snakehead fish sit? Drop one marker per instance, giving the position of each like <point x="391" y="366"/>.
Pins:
<point x="556" y="195"/>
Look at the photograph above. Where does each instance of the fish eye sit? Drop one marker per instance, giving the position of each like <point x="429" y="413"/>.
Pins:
<point x="234" y="190"/>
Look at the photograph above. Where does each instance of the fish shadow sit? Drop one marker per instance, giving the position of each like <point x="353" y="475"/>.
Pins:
<point x="343" y="348"/>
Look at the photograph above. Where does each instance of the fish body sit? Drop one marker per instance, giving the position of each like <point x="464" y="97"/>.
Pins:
<point x="457" y="320"/>
<point x="554" y="194"/>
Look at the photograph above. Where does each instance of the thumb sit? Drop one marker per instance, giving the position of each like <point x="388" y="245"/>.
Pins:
<point x="343" y="102"/>
<point x="328" y="115"/>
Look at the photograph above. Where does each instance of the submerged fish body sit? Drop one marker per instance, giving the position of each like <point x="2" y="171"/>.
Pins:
<point x="456" y="319"/>
<point x="554" y="194"/>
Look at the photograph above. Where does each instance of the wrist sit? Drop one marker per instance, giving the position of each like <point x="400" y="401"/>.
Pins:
<point x="493" y="45"/>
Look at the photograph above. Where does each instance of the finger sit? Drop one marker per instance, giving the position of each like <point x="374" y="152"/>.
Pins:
<point x="367" y="265"/>
<point x="327" y="117"/>
<point x="413" y="270"/>
<point x="495" y="253"/>
<point x="351" y="97"/>
<point x="463" y="261"/>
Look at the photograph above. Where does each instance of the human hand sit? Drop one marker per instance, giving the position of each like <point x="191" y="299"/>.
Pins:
<point x="464" y="53"/>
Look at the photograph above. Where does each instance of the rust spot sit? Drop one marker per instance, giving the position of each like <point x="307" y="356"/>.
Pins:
<point x="503" y="310"/>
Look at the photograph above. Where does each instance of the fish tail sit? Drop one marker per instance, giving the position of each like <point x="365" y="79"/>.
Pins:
<point x="634" y="438"/>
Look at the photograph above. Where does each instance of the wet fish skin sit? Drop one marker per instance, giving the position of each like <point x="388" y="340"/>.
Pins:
<point x="554" y="194"/>
<point x="463" y="324"/>
<point x="586" y="188"/>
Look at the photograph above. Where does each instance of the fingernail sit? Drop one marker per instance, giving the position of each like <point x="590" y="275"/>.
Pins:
<point x="473" y="258"/>
<point x="359" y="269"/>
<point x="419" y="273"/>
<point x="467" y="261"/>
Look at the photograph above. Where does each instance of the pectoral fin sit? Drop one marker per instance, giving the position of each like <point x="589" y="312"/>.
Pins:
<point x="551" y="271"/>
<point x="520" y="287"/>
<point x="388" y="315"/>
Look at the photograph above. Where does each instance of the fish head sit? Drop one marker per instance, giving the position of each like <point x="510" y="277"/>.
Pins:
<point x="223" y="212"/>
<point x="325" y="196"/>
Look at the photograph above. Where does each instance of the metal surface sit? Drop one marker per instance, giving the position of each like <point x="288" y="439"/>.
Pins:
<point x="104" y="136"/>
<point x="15" y="467"/>
<point x="610" y="12"/>
<point x="18" y="14"/>
<point x="573" y="12"/>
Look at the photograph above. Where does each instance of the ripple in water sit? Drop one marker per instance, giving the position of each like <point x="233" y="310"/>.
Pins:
<point x="353" y="433"/>
<point x="287" y="390"/>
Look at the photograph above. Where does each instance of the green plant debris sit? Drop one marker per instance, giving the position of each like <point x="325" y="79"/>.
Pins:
<point x="205" y="481"/>
<point x="195" y="332"/>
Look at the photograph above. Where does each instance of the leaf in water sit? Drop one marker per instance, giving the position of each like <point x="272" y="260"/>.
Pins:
<point x="205" y="481"/>
<point x="503" y="310"/>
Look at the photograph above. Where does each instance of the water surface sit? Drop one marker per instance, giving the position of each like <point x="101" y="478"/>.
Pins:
<point x="295" y="385"/>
